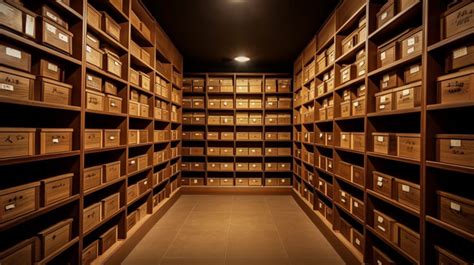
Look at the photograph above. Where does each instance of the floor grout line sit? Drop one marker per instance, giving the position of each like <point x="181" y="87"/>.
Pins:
<point x="177" y="233"/>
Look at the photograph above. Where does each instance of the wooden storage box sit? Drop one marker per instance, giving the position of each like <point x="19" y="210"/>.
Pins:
<point x="91" y="216"/>
<point x="93" y="82"/>
<point x="112" y="63"/>
<point x="444" y="256"/>
<point x="385" y="143"/>
<point x="384" y="101"/>
<point x="408" y="240"/>
<point x="357" y="240"/>
<point x="95" y="100"/>
<point x="226" y="182"/>
<point x="16" y="142"/>
<point x="409" y="146"/>
<point x="358" y="142"/>
<point x="113" y="104"/>
<point x="255" y="182"/>
<point x="458" y="18"/>
<point x="55" y="140"/>
<point x="144" y="81"/>
<point x="18" y="201"/>
<point x="348" y="73"/>
<point x="111" y="171"/>
<point x="90" y="253"/>
<point x="456" y="88"/>
<point x="386" y="13"/>
<point x="390" y="80"/>
<point x="111" y="137"/>
<point x="108" y="239"/>
<point x="132" y="192"/>
<point x="384" y="225"/>
<point x="94" y="17"/>
<point x="383" y="184"/>
<point x="55" y="237"/>
<point x="345" y="141"/>
<point x="110" y="27"/>
<point x="56" y="37"/>
<point x="15" y="57"/>
<point x="55" y="92"/>
<point x="412" y="73"/>
<point x="17" y="19"/>
<point x="92" y="177"/>
<point x="387" y="53"/>
<point x="16" y="84"/>
<point x="357" y="208"/>
<point x="460" y="57"/>
<point x="56" y="189"/>
<point x="408" y="97"/>
<point x="412" y="43"/>
<point x="94" y="56"/>
<point x="110" y="205"/>
<point x="408" y="193"/>
<point x="455" y="149"/>
<point x="50" y="14"/>
<point x="456" y="210"/>
<point x="381" y="258"/>
<point x="358" y="106"/>
<point x="93" y="138"/>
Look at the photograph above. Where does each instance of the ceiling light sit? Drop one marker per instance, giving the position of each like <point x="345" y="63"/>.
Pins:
<point x="242" y="59"/>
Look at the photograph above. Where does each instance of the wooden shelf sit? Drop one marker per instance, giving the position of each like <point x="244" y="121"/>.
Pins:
<point x="450" y="228"/>
<point x="396" y="65"/>
<point x="38" y="47"/>
<point x="438" y="107"/>
<point x="395" y="203"/>
<point x="105" y="149"/>
<point x="34" y="158"/>
<point x="395" y="158"/>
<point x="38" y="104"/>
<point x="104" y="185"/>
<point x="355" y="185"/>
<point x="416" y="110"/>
<point x="353" y="82"/>
<point x="355" y="218"/>
<point x="103" y="73"/>
<point x="452" y="41"/>
<point x="391" y="244"/>
<point x="40" y="212"/>
<point x="399" y="20"/>
<point x="104" y="37"/>
<point x="450" y="167"/>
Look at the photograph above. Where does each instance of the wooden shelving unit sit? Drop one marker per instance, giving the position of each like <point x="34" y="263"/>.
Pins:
<point x="201" y="170"/>
<point x="159" y="178"/>
<point x="427" y="118"/>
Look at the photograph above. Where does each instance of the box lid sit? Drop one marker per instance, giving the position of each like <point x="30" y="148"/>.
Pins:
<point x="60" y="177"/>
<point x="16" y="72"/>
<point x="47" y="130"/>
<point x="55" y="227"/>
<point x="19" y="188"/>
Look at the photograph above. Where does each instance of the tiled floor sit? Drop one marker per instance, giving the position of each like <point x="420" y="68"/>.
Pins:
<point x="232" y="230"/>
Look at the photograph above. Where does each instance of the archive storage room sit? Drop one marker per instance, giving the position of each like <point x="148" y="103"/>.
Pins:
<point x="229" y="132"/>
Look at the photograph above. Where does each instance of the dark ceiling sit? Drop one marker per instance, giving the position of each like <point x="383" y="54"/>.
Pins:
<point x="209" y="33"/>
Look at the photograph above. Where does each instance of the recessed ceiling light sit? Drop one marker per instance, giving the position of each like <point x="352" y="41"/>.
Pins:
<point x="242" y="59"/>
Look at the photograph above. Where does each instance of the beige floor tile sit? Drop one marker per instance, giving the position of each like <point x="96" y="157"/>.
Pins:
<point x="252" y="221"/>
<point x="291" y="221"/>
<point x="198" y="244"/>
<point x="154" y="245"/>
<point x="255" y="244"/>
<point x="140" y="261"/>
<point x="191" y="261"/>
<point x="317" y="261"/>
<point x="211" y="220"/>
<point x="258" y="261"/>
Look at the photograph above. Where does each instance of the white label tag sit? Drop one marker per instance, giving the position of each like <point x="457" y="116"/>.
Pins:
<point x="357" y="241"/>
<point x="455" y="206"/>
<point x="380" y="139"/>
<point x="406" y="92"/>
<point x="356" y="204"/>
<point x="361" y="63"/>
<point x="344" y="137"/>
<point x="382" y="99"/>
<point x="380" y="183"/>
<point x="51" y="28"/>
<point x="411" y="41"/>
<point x="116" y="63"/>
<point x="414" y="69"/>
<point x="133" y="162"/>
<point x="455" y="143"/>
<point x="13" y="52"/>
<point x="405" y="188"/>
<point x="386" y="78"/>
<point x="53" y="17"/>
<point x="195" y="181"/>
<point x="88" y="49"/>
<point x="384" y="15"/>
<point x="460" y="52"/>
<point x="52" y="67"/>
<point x="356" y="104"/>
<point x="55" y="141"/>
<point x="10" y="206"/>
<point x="381" y="228"/>
<point x="382" y="107"/>
<point x="380" y="219"/>
<point x="112" y="137"/>
<point x="411" y="50"/>
<point x="30" y="25"/>
<point x="7" y="87"/>
<point x="383" y="55"/>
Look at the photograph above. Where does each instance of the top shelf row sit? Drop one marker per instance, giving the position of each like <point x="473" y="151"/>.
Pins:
<point x="243" y="85"/>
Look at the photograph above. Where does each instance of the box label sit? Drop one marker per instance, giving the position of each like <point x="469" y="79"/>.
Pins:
<point x="460" y="52"/>
<point x="30" y="25"/>
<point x="414" y="69"/>
<point x="51" y="28"/>
<point x="405" y="188"/>
<point x="7" y="87"/>
<point x="13" y="52"/>
<point x="455" y="143"/>
<point x="52" y="67"/>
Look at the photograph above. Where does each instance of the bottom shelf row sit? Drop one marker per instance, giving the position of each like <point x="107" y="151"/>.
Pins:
<point x="242" y="182"/>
